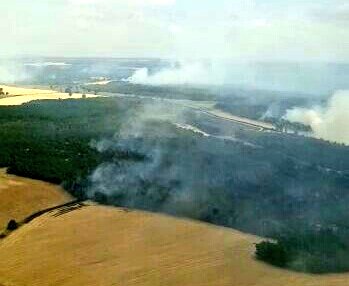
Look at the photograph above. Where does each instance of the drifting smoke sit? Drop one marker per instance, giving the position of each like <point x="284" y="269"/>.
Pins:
<point x="304" y="78"/>
<point x="197" y="73"/>
<point x="117" y="178"/>
<point x="165" y="180"/>
<point x="330" y="123"/>
<point x="167" y="159"/>
<point x="11" y="73"/>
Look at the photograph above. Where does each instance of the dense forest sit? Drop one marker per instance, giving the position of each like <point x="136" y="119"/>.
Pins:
<point x="200" y="93"/>
<point x="290" y="188"/>
<point x="51" y="140"/>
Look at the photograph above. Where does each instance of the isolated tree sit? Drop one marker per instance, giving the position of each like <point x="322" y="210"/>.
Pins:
<point x="12" y="225"/>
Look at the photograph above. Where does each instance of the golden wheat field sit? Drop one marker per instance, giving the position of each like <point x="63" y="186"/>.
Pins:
<point x="96" y="245"/>
<point x="21" y="197"/>
<point x="20" y="95"/>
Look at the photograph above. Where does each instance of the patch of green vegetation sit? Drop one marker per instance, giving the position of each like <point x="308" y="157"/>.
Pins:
<point x="170" y="91"/>
<point x="282" y="124"/>
<point x="271" y="252"/>
<point x="315" y="252"/>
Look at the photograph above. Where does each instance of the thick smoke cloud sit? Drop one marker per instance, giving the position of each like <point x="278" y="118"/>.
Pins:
<point x="330" y="122"/>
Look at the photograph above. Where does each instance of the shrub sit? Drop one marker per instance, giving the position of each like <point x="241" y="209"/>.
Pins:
<point x="271" y="252"/>
<point x="311" y="252"/>
<point x="12" y="225"/>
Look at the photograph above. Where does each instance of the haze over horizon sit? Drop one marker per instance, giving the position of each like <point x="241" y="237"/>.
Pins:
<point x="252" y="30"/>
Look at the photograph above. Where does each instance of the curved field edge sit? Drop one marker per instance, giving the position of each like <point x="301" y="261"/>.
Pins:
<point x="97" y="245"/>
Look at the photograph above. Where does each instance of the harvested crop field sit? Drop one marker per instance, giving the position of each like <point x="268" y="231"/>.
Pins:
<point x="95" y="245"/>
<point x="21" y="95"/>
<point x="21" y="197"/>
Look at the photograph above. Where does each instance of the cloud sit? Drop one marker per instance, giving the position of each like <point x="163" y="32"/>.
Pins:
<point x="123" y="2"/>
<point x="334" y="14"/>
<point x="239" y="29"/>
<point x="153" y="2"/>
<point x="125" y="14"/>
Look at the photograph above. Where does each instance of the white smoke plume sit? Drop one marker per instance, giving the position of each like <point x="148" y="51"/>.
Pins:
<point x="165" y="180"/>
<point x="196" y="73"/>
<point x="5" y="75"/>
<point x="12" y="71"/>
<point x="329" y="123"/>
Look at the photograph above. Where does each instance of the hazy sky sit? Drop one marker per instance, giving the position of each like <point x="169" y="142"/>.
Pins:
<point x="235" y="29"/>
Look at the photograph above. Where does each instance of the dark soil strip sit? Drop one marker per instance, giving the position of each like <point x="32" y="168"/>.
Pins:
<point x="65" y="208"/>
<point x="68" y="209"/>
<point x="39" y="213"/>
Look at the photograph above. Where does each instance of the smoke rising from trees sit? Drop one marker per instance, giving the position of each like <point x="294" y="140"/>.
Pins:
<point x="329" y="122"/>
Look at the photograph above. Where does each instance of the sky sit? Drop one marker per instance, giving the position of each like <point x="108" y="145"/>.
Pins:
<point x="271" y="30"/>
